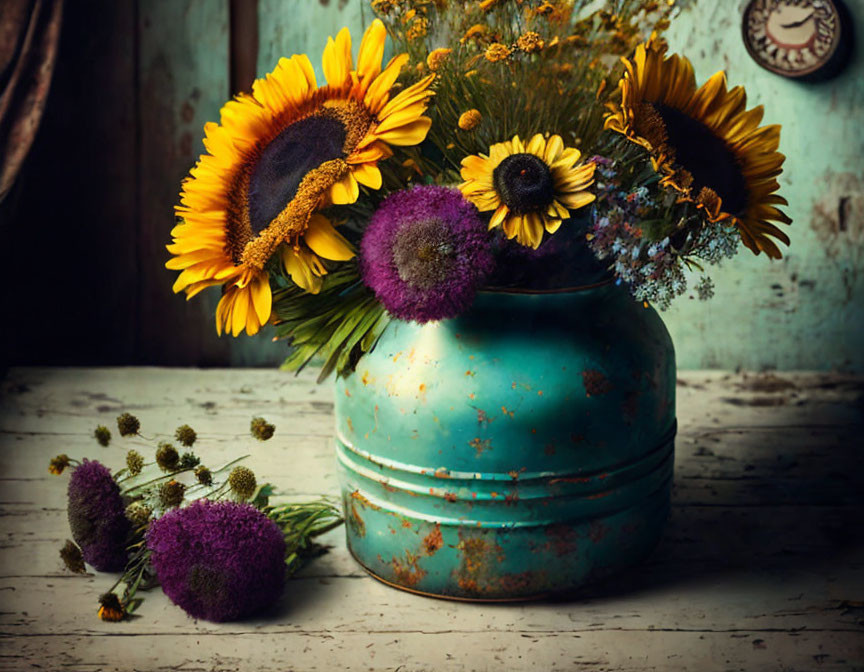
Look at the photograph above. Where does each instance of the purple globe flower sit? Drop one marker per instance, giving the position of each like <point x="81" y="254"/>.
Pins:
<point x="425" y="253"/>
<point x="97" y="518"/>
<point x="219" y="561"/>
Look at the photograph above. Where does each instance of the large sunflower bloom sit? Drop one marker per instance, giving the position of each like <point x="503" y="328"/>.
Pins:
<point x="276" y="156"/>
<point x="704" y="142"/>
<point x="531" y="186"/>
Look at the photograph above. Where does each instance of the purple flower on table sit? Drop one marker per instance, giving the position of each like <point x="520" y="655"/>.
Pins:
<point x="219" y="561"/>
<point x="97" y="516"/>
<point x="425" y="253"/>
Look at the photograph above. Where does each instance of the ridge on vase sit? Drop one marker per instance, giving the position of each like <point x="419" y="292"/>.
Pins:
<point x="523" y="448"/>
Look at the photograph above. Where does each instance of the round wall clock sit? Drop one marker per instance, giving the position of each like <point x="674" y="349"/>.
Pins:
<point x="803" y="39"/>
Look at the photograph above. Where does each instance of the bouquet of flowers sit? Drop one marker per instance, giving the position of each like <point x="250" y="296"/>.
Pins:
<point x="209" y="537"/>
<point x="508" y="143"/>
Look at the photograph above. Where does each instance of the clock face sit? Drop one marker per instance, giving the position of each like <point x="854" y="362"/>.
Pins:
<point x="792" y="37"/>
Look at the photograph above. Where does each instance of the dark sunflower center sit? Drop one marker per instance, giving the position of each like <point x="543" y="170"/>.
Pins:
<point x="706" y="157"/>
<point x="423" y="253"/>
<point x="524" y="182"/>
<point x="282" y="165"/>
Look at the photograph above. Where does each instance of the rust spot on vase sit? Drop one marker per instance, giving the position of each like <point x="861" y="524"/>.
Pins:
<point x="483" y="416"/>
<point x="524" y="583"/>
<point x="407" y="572"/>
<point x="595" y="383"/>
<point x="480" y="445"/>
<point x="355" y="521"/>
<point x="476" y="572"/>
<point x="434" y="541"/>
<point x="562" y="539"/>
<point x="364" y="502"/>
<point x="349" y="423"/>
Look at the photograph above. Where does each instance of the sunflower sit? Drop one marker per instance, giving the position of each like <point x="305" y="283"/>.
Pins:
<point x="704" y="142"/>
<point x="278" y="155"/>
<point x="530" y="186"/>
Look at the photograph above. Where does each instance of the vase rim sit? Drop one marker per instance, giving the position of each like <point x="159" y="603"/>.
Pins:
<point x="557" y="290"/>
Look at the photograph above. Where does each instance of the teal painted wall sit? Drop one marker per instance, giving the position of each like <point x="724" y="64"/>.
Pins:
<point x="807" y="310"/>
<point x="803" y="312"/>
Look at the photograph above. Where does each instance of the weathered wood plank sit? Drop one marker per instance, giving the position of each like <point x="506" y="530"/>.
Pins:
<point x="287" y="27"/>
<point x="183" y="81"/>
<point x="454" y="651"/>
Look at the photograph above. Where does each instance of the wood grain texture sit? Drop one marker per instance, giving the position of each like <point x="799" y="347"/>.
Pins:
<point x="183" y="72"/>
<point x="760" y="567"/>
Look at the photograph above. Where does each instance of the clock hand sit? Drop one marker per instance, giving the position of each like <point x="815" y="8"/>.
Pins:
<point x="795" y="24"/>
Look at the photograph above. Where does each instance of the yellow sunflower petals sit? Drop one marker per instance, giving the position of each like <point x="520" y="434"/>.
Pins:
<point x="536" y="145"/>
<point x="368" y="174"/>
<point x="325" y="241"/>
<point x="552" y="225"/>
<point x="305" y="273"/>
<point x="223" y="311"/>
<point x="498" y="216"/>
<point x="416" y="93"/>
<point x="262" y="297"/>
<point x="336" y="61"/>
<point x="193" y="290"/>
<point x="410" y="134"/>
<point x="529" y="230"/>
<point x="371" y="54"/>
<point x="241" y="310"/>
<point x="576" y="200"/>
<point x="345" y="191"/>
<point x="379" y="91"/>
<point x="707" y="94"/>
<point x="554" y="149"/>
<point x="374" y="152"/>
<point x="403" y="117"/>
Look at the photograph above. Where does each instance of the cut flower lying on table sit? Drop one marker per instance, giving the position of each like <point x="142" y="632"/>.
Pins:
<point x="400" y="189"/>
<point x="151" y="519"/>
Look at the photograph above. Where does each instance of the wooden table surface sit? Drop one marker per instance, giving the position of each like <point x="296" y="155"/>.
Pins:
<point x="761" y="566"/>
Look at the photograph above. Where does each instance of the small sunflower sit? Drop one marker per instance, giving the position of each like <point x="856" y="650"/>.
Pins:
<point x="278" y="155"/>
<point x="531" y="187"/>
<point x="704" y="142"/>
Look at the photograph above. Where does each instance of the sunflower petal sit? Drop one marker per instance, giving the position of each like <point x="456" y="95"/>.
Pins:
<point x="262" y="297"/>
<point x="345" y="191"/>
<point x="371" y="54"/>
<point x="325" y="241"/>
<point x="336" y="61"/>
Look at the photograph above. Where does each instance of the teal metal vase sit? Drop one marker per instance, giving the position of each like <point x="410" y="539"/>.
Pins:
<point x="521" y="449"/>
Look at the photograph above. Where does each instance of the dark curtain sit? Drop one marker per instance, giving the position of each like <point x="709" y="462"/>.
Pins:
<point x="29" y="32"/>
